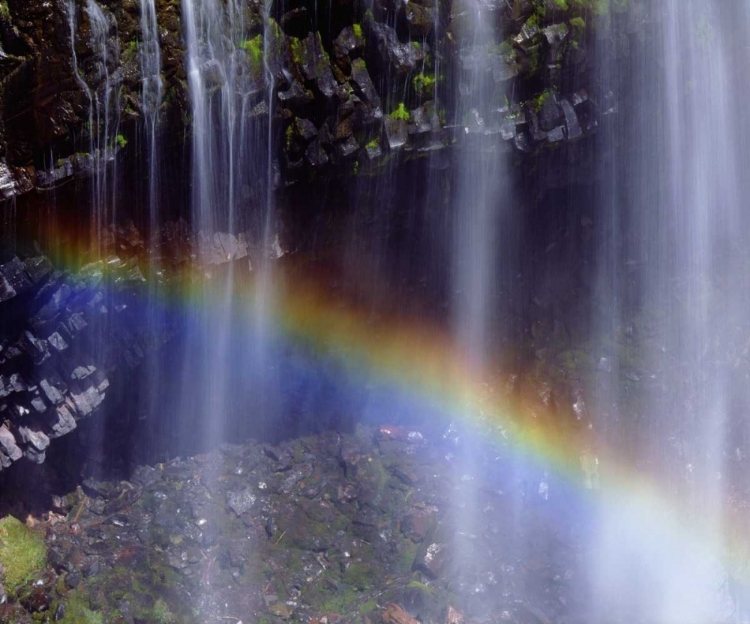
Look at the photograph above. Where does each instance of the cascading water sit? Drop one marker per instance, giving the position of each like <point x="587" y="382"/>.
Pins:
<point x="231" y="198"/>
<point x="152" y="91"/>
<point x="103" y="112"/>
<point x="151" y="98"/>
<point x="104" y="119"/>
<point x="670" y="286"/>
<point x="480" y="196"/>
<point x="676" y="277"/>
<point x="72" y="25"/>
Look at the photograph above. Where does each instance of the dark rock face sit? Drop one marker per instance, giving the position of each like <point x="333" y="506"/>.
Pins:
<point x="349" y="90"/>
<point x="357" y="92"/>
<point x="55" y="365"/>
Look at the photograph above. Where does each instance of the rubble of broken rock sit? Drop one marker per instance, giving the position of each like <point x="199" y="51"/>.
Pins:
<point x="359" y="527"/>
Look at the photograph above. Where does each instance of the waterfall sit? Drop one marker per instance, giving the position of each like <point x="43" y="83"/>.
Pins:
<point x="72" y="25"/>
<point x="152" y="90"/>
<point x="103" y="113"/>
<point x="480" y="198"/>
<point x="105" y="120"/>
<point x="151" y="99"/>
<point x="228" y="70"/>
<point x="674" y="274"/>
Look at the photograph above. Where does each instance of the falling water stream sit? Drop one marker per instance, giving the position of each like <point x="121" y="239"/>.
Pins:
<point x="232" y="208"/>
<point x="105" y="119"/>
<point x="151" y="100"/>
<point x="682" y="195"/>
<point x="670" y="284"/>
<point x="680" y="254"/>
<point x="478" y="208"/>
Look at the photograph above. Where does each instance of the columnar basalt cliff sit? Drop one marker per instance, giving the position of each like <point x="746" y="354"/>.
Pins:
<point x="342" y="92"/>
<point x="352" y="87"/>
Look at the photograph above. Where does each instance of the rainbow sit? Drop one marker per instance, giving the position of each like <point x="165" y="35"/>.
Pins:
<point x="419" y="356"/>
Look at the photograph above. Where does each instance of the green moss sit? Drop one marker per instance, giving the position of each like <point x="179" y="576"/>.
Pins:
<point x="562" y="4"/>
<point x="407" y="556"/>
<point x="423" y="589"/>
<point x="578" y="22"/>
<point x="77" y="610"/>
<point x="161" y="613"/>
<point x="368" y="607"/>
<point x="341" y="601"/>
<point x="254" y="49"/>
<point x="4" y="10"/>
<point x="22" y="551"/>
<point x="540" y="100"/>
<point x="424" y="83"/>
<point x="296" y="45"/>
<point x="357" y="31"/>
<point x="540" y="12"/>
<point x="506" y="50"/>
<point x="289" y="136"/>
<point x="361" y="575"/>
<point x="400" y="113"/>
<point x="121" y="140"/>
<point x="375" y="143"/>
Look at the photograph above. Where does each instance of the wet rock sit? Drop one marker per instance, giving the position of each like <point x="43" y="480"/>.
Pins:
<point x="397" y="131"/>
<point x="294" y="476"/>
<point x="394" y="614"/>
<point x="419" y="522"/>
<point x="296" y="97"/>
<point x="573" y="127"/>
<point x="8" y="444"/>
<point x="420" y="19"/>
<point x="241" y="501"/>
<point x="91" y="569"/>
<point x="73" y="579"/>
<point x="95" y="488"/>
<point x="347" y="45"/>
<point x="433" y="559"/>
<point x="313" y="63"/>
<point x="453" y="616"/>
<point x="37" y="600"/>
<point x="556" y="134"/>
<point x="363" y="85"/>
<point x="390" y="52"/>
<point x="179" y="470"/>
<point x="146" y="476"/>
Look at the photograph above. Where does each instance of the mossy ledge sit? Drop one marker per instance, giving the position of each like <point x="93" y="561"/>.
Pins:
<point x="22" y="551"/>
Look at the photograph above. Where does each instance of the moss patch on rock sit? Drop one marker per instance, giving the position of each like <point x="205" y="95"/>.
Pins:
<point x="77" y="610"/>
<point x="22" y="551"/>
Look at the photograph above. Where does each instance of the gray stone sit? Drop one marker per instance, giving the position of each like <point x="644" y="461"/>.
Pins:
<point x="571" y="120"/>
<point x="53" y="395"/>
<point x="241" y="501"/>
<point x="37" y="439"/>
<point x="8" y="444"/>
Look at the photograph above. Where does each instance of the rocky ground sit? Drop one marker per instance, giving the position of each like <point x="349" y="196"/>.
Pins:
<point x="363" y="527"/>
